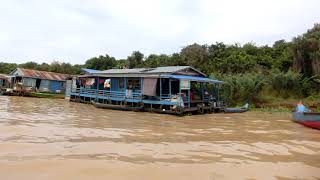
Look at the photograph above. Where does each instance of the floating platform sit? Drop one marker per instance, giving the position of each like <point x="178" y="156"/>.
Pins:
<point x="170" y="90"/>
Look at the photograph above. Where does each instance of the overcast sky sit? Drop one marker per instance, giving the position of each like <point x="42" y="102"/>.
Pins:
<point x="75" y="30"/>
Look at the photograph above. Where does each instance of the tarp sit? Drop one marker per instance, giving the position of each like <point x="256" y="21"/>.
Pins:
<point x="192" y="78"/>
<point x="149" y="86"/>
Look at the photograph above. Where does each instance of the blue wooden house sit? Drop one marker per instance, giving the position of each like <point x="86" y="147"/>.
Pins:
<point x="171" y="89"/>
<point x="39" y="81"/>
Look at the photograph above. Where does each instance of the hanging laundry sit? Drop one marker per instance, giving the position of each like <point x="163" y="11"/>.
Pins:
<point x="89" y="82"/>
<point x="101" y="81"/>
<point x="107" y="83"/>
<point x="149" y="86"/>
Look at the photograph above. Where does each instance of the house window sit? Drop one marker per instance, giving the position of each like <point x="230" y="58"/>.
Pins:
<point x="134" y="84"/>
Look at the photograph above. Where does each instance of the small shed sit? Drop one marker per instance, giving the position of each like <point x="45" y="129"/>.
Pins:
<point x="40" y="81"/>
<point x="5" y="80"/>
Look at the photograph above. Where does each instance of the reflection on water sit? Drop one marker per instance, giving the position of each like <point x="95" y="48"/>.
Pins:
<point x="81" y="142"/>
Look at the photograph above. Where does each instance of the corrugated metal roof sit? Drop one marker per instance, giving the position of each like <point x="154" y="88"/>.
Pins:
<point x="157" y="70"/>
<point x="123" y="71"/>
<point x="168" y="69"/>
<point x="4" y="76"/>
<point x="192" y="78"/>
<point x="43" y="74"/>
<point x="90" y="71"/>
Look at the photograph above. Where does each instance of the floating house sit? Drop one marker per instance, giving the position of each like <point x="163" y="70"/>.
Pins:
<point x="5" y="81"/>
<point x="25" y="80"/>
<point x="171" y="89"/>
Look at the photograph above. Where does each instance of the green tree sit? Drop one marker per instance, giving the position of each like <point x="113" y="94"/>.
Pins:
<point x="154" y="60"/>
<point x="29" y="65"/>
<point x="6" y="68"/>
<point x="282" y="55"/>
<point x="195" y="55"/>
<point x="101" y="63"/>
<point x="306" y="52"/>
<point x="135" y="60"/>
<point x="122" y="64"/>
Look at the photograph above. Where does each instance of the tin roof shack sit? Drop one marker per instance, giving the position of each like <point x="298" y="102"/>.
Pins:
<point x="170" y="89"/>
<point x="5" y="82"/>
<point x="26" y="80"/>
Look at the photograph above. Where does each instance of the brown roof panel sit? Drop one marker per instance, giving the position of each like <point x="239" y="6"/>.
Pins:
<point x="44" y="74"/>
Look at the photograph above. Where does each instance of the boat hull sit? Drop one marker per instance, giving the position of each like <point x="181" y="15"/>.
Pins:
<point x="311" y="120"/>
<point x="117" y="107"/>
<point x="235" y="110"/>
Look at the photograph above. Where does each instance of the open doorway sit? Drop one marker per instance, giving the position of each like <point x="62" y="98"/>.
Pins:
<point x="38" y="82"/>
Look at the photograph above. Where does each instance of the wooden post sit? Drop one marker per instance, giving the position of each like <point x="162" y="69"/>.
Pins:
<point x="170" y="87"/>
<point x="180" y="91"/>
<point x="202" y="91"/>
<point x="97" y="93"/>
<point x="160" y="88"/>
<point x="125" y="87"/>
<point x="110" y="86"/>
<point x="141" y="87"/>
<point x="189" y="103"/>
<point x="14" y="82"/>
<point x="218" y="93"/>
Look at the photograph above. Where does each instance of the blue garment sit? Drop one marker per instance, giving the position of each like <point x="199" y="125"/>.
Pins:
<point x="301" y="108"/>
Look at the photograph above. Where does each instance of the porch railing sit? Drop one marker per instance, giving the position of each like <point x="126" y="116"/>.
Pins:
<point x="107" y="93"/>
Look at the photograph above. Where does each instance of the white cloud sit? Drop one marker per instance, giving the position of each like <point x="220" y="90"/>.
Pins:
<point x="75" y="30"/>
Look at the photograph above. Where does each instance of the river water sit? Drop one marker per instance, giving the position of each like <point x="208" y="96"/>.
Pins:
<point x="57" y="139"/>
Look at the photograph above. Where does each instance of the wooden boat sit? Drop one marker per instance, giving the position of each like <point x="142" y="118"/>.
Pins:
<point x="117" y="107"/>
<point x="309" y="119"/>
<point x="179" y="113"/>
<point x="44" y="95"/>
<point x="237" y="110"/>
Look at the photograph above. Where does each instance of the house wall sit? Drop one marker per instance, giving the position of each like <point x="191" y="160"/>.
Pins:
<point x="2" y="82"/>
<point x="44" y="86"/>
<point x="68" y="88"/>
<point x="29" y="82"/>
<point x="56" y="86"/>
<point x="114" y="84"/>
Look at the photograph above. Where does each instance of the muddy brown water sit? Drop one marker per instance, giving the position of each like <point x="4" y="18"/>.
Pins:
<point x="57" y="139"/>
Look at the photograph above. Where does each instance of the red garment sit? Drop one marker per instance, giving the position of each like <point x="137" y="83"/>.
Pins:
<point x="101" y="81"/>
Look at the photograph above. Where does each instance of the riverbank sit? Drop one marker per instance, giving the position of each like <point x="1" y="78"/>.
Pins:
<point x="286" y="105"/>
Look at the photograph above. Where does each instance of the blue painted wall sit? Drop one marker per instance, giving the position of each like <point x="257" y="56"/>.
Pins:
<point x="115" y="84"/>
<point x="57" y="85"/>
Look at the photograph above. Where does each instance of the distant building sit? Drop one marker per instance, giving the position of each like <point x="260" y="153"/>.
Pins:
<point x="39" y="81"/>
<point x="5" y="81"/>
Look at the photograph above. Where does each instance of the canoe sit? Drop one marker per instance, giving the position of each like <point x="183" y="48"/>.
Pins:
<point x="309" y="119"/>
<point x="44" y="95"/>
<point x="237" y="110"/>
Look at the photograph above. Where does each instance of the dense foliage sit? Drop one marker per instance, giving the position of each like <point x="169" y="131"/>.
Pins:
<point x="285" y="69"/>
